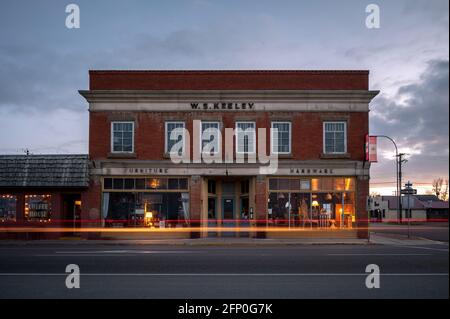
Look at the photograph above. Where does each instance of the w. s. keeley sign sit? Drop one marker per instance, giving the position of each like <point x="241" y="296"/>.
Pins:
<point x="223" y="106"/>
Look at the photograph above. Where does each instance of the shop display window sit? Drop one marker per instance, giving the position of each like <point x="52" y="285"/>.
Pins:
<point x="8" y="208"/>
<point x="38" y="208"/>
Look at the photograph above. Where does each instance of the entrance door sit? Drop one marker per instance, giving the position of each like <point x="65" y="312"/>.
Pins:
<point x="212" y="216"/>
<point x="71" y="212"/>
<point x="244" y="218"/>
<point x="228" y="210"/>
<point x="229" y="220"/>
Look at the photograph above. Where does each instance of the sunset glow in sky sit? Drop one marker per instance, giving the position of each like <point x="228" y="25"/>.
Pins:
<point x="43" y="64"/>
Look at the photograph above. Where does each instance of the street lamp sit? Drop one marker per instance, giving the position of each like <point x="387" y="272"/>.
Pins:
<point x="398" y="175"/>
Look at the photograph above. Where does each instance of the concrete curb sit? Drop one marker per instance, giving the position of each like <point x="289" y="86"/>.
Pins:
<point x="190" y="242"/>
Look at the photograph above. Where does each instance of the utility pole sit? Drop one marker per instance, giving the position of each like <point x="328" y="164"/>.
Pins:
<point x="408" y="191"/>
<point x="400" y="161"/>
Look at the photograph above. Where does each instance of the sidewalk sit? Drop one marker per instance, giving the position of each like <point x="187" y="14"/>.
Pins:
<point x="375" y="239"/>
<point x="396" y="239"/>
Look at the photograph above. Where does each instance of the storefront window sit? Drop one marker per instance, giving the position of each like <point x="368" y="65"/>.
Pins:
<point x="323" y="202"/>
<point x="157" y="210"/>
<point x="145" y="183"/>
<point x="38" y="208"/>
<point x="157" y="202"/>
<point x="8" y="205"/>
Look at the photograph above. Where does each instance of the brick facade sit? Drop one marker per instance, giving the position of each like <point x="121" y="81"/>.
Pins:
<point x="307" y="131"/>
<point x="151" y="98"/>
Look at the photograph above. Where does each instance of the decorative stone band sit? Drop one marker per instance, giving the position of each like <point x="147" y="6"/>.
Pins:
<point x="235" y="101"/>
<point x="297" y="170"/>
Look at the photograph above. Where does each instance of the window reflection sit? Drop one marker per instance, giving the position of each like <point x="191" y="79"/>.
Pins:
<point x="156" y="209"/>
<point x="8" y="206"/>
<point x="324" y="202"/>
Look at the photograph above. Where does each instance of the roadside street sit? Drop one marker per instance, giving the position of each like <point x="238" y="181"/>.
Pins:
<point x="409" y="269"/>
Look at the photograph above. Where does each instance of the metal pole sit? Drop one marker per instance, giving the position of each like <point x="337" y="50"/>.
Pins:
<point x="310" y="210"/>
<point x="397" y="165"/>
<point x="289" y="209"/>
<point x="409" y="216"/>
<point x="410" y="189"/>
<point x="343" y="211"/>
<point x="400" y="183"/>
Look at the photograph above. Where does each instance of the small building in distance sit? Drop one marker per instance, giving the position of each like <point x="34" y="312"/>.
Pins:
<point x="423" y="208"/>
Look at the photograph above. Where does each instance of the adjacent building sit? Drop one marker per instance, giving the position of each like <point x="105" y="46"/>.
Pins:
<point x="42" y="191"/>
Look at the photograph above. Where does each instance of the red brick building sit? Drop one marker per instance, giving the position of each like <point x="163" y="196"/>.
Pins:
<point x="315" y="126"/>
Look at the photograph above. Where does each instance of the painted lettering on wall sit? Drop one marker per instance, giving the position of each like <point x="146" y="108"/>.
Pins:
<point x="223" y="106"/>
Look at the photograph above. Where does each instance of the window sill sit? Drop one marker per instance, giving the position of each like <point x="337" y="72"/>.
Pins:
<point x="335" y="156"/>
<point x="122" y="155"/>
<point x="284" y="155"/>
<point x="168" y="156"/>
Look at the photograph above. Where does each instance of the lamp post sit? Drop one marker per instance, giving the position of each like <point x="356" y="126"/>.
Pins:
<point x="398" y="170"/>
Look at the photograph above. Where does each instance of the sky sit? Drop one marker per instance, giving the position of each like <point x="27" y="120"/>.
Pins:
<point x="43" y="64"/>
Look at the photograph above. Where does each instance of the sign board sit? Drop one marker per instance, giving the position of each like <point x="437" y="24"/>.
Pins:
<point x="223" y="171"/>
<point x="371" y="149"/>
<point x="408" y="191"/>
<point x="407" y="204"/>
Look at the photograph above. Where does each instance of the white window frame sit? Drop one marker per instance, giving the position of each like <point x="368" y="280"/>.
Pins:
<point x="237" y="137"/>
<point x="219" y="145"/>
<point x="345" y="136"/>
<point x="166" y="137"/>
<point x="272" y="137"/>
<point x="112" y="137"/>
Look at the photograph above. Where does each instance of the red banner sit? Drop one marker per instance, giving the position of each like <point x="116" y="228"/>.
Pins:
<point x="371" y="148"/>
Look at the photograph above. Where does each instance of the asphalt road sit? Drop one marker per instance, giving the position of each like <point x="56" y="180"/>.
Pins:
<point x="149" y="271"/>
<point x="432" y="231"/>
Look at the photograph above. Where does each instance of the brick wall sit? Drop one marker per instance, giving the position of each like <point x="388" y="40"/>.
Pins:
<point x="229" y="80"/>
<point x="362" y="215"/>
<point x="307" y="130"/>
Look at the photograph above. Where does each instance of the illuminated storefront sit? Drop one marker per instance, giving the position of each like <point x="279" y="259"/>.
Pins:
<point x="145" y="202"/>
<point x="8" y="208"/>
<point x="324" y="202"/>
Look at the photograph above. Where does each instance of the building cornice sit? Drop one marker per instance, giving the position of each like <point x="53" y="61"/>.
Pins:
<point x="264" y="100"/>
<point x="214" y="95"/>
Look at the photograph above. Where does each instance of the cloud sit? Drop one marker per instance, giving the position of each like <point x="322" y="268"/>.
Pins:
<point x="417" y="119"/>
<point x="42" y="64"/>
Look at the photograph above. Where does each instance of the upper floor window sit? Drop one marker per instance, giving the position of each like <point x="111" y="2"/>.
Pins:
<point x="174" y="135"/>
<point x="122" y="136"/>
<point x="335" y="137"/>
<point x="210" y="139"/>
<point x="281" y="137"/>
<point x="245" y="137"/>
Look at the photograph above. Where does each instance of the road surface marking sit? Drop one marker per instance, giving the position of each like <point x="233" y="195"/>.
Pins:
<point x="379" y="255"/>
<point x="126" y="252"/>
